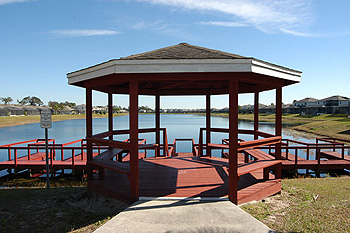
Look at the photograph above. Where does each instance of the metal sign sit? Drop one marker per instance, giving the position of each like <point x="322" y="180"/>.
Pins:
<point x="45" y="119"/>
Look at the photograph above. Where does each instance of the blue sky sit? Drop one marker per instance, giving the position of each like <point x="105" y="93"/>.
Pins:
<point x="42" y="40"/>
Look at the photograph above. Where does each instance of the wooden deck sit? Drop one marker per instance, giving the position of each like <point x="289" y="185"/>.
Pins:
<point x="186" y="176"/>
<point x="37" y="161"/>
<point x="334" y="155"/>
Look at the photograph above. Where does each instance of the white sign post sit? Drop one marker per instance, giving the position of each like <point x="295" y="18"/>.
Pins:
<point x="46" y="123"/>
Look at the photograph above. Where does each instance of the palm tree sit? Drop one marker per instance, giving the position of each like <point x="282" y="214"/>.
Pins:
<point x="6" y="100"/>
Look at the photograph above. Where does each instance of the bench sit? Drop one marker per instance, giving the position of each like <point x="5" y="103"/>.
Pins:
<point x="105" y="160"/>
<point x="257" y="165"/>
<point x="258" y="154"/>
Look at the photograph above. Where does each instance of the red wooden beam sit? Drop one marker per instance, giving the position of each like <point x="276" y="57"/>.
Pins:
<point x="278" y="131"/>
<point x="157" y="105"/>
<point x="110" y="114"/>
<point x="89" y="129"/>
<point x="207" y="120"/>
<point x="134" y="158"/>
<point x="256" y="115"/>
<point x="233" y="138"/>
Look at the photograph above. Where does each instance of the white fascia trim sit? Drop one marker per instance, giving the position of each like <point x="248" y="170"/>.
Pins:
<point x="181" y="66"/>
<point x="275" y="71"/>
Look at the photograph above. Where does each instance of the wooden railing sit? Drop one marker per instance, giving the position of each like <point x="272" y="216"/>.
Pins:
<point x="26" y="152"/>
<point x="268" y="139"/>
<point x="311" y="151"/>
<point x="100" y="139"/>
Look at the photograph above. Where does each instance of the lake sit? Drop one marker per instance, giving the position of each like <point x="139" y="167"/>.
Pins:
<point x="178" y="126"/>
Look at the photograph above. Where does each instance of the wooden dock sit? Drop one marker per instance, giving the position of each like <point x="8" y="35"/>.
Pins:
<point x="181" y="174"/>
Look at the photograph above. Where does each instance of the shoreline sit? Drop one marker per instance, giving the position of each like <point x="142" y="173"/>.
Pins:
<point x="9" y="121"/>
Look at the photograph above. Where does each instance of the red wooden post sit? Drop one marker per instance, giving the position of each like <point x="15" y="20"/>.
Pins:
<point x="73" y="158"/>
<point x="15" y="157"/>
<point x="110" y="115"/>
<point x="256" y="115"/>
<point x="207" y="128"/>
<point x="233" y="138"/>
<point x="134" y="161"/>
<point x="9" y="152"/>
<point x="278" y="131"/>
<point x="158" y="126"/>
<point x="200" y="142"/>
<point x="89" y="129"/>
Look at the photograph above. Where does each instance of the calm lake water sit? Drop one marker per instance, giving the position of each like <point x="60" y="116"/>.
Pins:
<point x="178" y="126"/>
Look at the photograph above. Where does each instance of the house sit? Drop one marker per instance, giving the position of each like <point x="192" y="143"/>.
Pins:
<point x="80" y="109"/>
<point x="99" y="109"/>
<point x="290" y="109"/>
<point x="20" y="110"/>
<point x="336" y="104"/>
<point x="306" y="102"/>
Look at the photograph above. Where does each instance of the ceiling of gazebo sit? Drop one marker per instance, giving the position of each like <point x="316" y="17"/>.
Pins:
<point x="184" y="70"/>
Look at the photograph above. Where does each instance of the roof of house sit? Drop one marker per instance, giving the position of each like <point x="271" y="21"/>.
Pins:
<point x="183" y="51"/>
<point x="289" y="106"/>
<point x="335" y="97"/>
<point x="307" y="99"/>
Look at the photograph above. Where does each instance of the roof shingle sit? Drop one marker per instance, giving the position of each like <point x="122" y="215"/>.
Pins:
<point x="183" y="51"/>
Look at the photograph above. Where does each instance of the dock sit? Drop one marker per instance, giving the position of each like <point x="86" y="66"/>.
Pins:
<point x="172" y="174"/>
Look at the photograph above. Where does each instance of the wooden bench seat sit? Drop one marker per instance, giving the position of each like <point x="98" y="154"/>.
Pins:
<point x="147" y="146"/>
<point x="258" y="165"/>
<point x="259" y="154"/>
<point x="105" y="160"/>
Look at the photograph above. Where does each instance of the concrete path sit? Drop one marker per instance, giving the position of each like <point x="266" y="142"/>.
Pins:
<point x="189" y="215"/>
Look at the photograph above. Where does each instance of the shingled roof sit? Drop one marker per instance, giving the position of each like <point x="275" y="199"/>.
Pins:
<point x="335" y="97"/>
<point x="183" y="51"/>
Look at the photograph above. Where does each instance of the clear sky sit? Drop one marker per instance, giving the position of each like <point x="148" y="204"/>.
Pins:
<point x="42" y="40"/>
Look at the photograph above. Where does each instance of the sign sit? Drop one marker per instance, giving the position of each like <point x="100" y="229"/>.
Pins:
<point x="45" y="119"/>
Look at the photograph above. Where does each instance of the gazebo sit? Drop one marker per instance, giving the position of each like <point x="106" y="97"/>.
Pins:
<point x="182" y="69"/>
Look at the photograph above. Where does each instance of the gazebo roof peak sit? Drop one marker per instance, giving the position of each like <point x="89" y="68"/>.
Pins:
<point x="183" y="51"/>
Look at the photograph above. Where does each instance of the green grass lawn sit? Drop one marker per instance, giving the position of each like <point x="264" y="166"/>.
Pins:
<point x="307" y="205"/>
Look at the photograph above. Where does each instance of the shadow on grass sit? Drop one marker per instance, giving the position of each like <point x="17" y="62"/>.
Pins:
<point x="346" y="132"/>
<point x="54" y="210"/>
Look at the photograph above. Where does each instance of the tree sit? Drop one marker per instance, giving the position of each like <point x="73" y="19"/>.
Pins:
<point x="33" y="101"/>
<point x="24" y="101"/>
<point x="70" y="104"/>
<point x="56" y="106"/>
<point x="6" y="100"/>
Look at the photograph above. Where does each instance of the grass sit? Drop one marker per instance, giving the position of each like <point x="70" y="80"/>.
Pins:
<point x="67" y="207"/>
<point x="307" y="205"/>
<point x="23" y="120"/>
<point x="55" y="210"/>
<point x="24" y="180"/>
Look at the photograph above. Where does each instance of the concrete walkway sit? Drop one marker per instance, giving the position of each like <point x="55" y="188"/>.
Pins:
<point x="186" y="215"/>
